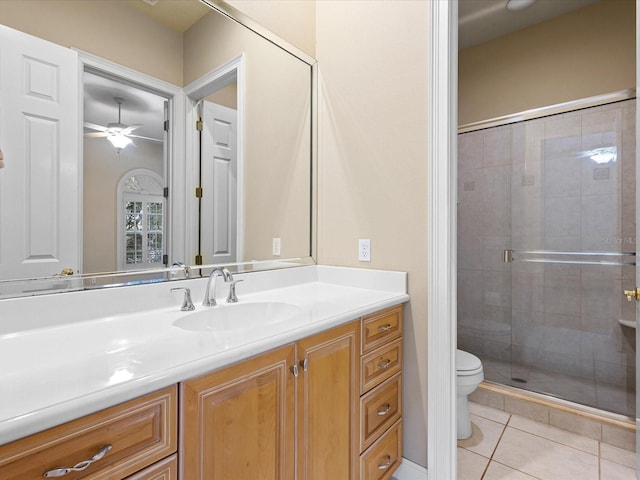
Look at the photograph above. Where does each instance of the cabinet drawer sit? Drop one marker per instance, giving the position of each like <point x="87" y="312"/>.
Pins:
<point x="377" y="366"/>
<point x="381" y="327"/>
<point x="166" y="469"/>
<point x="379" y="409"/>
<point x="140" y="432"/>
<point x="384" y="456"/>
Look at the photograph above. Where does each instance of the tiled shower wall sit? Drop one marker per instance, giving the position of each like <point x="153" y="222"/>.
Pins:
<point x="551" y="328"/>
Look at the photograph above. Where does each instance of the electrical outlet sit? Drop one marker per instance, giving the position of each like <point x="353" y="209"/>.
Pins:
<point x="276" y="247"/>
<point x="364" y="250"/>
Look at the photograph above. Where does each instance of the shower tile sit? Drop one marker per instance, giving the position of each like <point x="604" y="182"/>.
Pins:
<point x="575" y="423"/>
<point x="562" y="127"/>
<point x="470" y="218"/>
<point x="614" y="374"/>
<point x="560" y="461"/>
<point x="601" y="121"/>
<point x="556" y="434"/>
<point x="618" y="455"/>
<point x="562" y="217"/>
<point x="485" y="436"/>
<point x="497" y="471"/>
<point x="566" y="243"/>
<point x="528" y="329"/>
<point x="570" y="365"/>
<point x="470" y="465"/>
<point x="526" y="409"/>
<point x="613" y="471"/>
<point x="488" y="398"/>
<point x="562" y="295"/>
<point x="469" y="342"/>
<point x="560" y="179"/>
<point x="470" y="150"/>
<point x="496" y="288"/>
<point x="619" y="437"/>
<point x="496" y="350"/>
<point x="470" y="252"/>
<point x="497" y="146"/>
<point x="616" y="398"/>
<point x="496" y="203"/>
<point x="560" y="339"/>
<point x="493" y="248"/>
<point x="600" y="179"/>
<point x="600" y="222"/>
<point x="527" y="291"/>
<point x="489" y="413"/>
<point x="568" y="386"/>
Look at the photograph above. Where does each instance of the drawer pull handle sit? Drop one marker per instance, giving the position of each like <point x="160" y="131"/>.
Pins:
<point x="386" y="408"/>
<point x="62" y="471"/>
<point x="385" y="364"/>
<point x="385" y="328"/>
<point x="386" y="465"/>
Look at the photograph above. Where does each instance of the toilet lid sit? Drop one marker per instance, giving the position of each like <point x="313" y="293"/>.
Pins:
<point x="467" y="362"/>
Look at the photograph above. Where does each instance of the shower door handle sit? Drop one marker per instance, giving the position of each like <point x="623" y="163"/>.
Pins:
<point x="631" y="294"/>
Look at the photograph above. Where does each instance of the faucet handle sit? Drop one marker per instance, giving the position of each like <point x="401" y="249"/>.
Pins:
<point x="232" y="297"/>
<point x="187" y="303"/>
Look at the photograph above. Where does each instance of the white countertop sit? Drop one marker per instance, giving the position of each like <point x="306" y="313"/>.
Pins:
<point x="67" y="355"/>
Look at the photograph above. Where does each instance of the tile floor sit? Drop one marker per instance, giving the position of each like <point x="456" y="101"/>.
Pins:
<point x="509" y="447"/>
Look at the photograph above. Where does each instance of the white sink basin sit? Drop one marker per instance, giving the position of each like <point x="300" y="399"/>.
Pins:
<point x="237" y="316"/>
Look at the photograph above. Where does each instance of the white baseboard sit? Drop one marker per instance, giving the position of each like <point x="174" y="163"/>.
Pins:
<point x="410" y="471"/>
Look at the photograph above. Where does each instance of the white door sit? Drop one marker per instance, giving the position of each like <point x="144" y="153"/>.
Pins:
<point x="219" y="208"/>
<point x="39" y="136"/>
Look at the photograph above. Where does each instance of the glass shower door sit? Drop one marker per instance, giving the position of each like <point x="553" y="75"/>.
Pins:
<point x="547" y="230"/>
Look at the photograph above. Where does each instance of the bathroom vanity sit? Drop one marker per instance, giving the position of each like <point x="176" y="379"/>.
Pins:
<point x="311" y="389"/>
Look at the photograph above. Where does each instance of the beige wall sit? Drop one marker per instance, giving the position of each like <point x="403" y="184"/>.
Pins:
<point x="584" y="53"/>
<point x="277" y="142"/>
<point x="105" y="28"/>
<point x="103" y="169"/>
<point x="373" y="169"/>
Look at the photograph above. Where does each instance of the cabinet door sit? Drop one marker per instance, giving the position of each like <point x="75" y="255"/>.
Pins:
<point x="328" y="396"/>
<point x="238" y="422"/>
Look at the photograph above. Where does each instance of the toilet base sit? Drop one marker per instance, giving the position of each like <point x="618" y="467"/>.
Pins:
<point x="463" y="418"/>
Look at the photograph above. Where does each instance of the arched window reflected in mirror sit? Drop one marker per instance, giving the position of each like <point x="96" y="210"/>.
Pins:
<point x="141" y="220"/>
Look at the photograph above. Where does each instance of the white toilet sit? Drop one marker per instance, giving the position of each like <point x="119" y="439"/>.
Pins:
<point x="469" y="374"/>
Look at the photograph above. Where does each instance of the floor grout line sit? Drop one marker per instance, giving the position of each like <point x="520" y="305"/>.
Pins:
<point x="493" y="452"/>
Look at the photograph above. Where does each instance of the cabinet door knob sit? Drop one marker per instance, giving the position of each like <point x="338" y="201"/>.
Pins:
<point x="385" y="465"/>
<point x="62" y="471"/>
<point x="385" y="364"/>
<point x="385" y="328"/>
<point x="386" y="408"/>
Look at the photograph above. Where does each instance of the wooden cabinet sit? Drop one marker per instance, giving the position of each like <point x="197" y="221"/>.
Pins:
<point x="325" y="407"/>
<point x="238" y="423"/>
<point x="328" y="397"/>
<point x="381" y="390"/>
<point x="131" y="436"/>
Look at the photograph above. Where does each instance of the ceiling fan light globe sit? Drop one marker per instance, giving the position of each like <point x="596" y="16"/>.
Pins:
<point x="119" y="141"/>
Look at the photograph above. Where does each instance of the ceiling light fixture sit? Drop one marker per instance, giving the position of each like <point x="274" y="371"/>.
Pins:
<point x="119" y="141"/>
<point x="515" y="5"/>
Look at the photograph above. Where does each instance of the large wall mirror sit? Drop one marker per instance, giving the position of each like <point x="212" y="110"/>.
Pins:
<point x="151" y="133"/>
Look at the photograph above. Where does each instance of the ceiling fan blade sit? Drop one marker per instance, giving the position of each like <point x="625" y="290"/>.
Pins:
<point x="94" y="126"/>
<point x="130" y="128"/>
<point x="146" y="138"/>
<point x="96" y="134"/>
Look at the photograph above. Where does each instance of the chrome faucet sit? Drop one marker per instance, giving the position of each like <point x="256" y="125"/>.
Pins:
<point x="185" y="269"/>
<point x="209" y="297"/>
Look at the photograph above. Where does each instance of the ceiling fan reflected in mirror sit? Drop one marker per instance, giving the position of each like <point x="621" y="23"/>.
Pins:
<point x="118" y="133"/>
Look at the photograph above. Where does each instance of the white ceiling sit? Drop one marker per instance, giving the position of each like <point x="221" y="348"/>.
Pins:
<point x="482" y="20"/>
